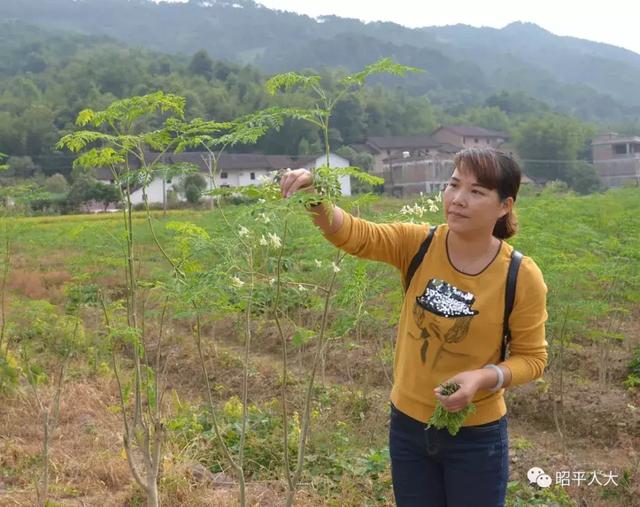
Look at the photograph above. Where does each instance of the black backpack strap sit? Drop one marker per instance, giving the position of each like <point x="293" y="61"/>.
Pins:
<point x="509" y="297"/>
<point x="418" y="257"/>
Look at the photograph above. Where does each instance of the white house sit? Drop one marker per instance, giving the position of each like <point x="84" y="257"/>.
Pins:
<point x="233" y="170"/>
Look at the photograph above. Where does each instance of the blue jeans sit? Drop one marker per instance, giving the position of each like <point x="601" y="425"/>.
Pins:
<point x="431" y="468"/>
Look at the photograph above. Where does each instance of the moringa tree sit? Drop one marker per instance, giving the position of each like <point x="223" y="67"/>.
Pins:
<point x="328" y="187"/>
<point x="120" y="141"/>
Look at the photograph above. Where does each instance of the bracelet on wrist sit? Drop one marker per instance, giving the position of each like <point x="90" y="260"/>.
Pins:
<point x="500" y="373"/>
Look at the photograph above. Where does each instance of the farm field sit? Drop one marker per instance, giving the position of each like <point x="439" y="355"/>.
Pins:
<point x="209" y="280"/>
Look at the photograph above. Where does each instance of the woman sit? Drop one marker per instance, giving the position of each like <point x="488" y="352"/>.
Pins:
<point x="451" y="328"/>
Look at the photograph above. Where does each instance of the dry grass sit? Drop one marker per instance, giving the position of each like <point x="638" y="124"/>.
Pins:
<point x="84" y="450"/>
<point x="89" y="468"/>
<point x="36" y="285"/>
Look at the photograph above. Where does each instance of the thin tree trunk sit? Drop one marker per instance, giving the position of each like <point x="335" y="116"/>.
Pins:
<point x="306" y="416"/>
<point x="43" y="490"/>
<point x="216" y="428"/>
<point x="245" y="381"/>
<point x="558" y="406"/>
<point x="3" y="287"/>
<point x="285" y="371"/>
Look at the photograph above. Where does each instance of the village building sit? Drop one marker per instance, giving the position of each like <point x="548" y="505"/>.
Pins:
<point x="617" y="159"/>
<point x="232" y="170"/>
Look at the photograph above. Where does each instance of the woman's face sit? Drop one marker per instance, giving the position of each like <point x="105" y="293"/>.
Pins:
<point x="470" y="207"/>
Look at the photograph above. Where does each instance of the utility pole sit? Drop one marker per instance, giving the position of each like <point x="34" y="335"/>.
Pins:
<point x="164" y="194"/>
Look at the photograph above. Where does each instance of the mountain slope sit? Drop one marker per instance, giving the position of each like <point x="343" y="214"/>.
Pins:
<point x="463" y="64"/>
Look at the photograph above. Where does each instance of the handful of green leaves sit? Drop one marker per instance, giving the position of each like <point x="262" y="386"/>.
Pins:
<point x="442" y="418"/>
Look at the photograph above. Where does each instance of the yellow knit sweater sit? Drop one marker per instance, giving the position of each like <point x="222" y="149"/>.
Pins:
<point x="451" y="321"/>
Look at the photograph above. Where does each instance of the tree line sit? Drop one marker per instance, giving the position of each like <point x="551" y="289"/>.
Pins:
<point x="47" y="78"/>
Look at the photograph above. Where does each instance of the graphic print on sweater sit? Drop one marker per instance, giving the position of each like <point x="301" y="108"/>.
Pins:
<point x="442" y="299"/>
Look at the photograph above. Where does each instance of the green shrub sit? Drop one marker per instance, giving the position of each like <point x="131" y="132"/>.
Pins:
<point x="526" y="495"/>
<point x="633" y="379"/>
<point x="9" y="374"/>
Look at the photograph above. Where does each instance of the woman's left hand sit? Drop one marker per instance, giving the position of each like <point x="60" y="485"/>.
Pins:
<point x="469" y="384"/>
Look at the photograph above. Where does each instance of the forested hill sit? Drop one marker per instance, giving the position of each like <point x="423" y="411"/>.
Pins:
<point x="464" y="65"/>
<point x="47" y="77"/>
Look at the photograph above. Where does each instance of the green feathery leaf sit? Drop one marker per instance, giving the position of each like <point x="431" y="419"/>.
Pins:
<point x="289" y="80"/>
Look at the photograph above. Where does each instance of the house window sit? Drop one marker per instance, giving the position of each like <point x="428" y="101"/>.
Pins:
<point x="223" y="175"/>
<point x="476" y="140"/>
<point x="619" y="149"/>
<point x="253" y="176"/>
<point x="464" y="140"/>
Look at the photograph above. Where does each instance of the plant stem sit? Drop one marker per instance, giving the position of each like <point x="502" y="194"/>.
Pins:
<point x="283" y="340"/>
<point x="559" y="421"/>
<point x="126" y="437"/>
<point x="3" y="288"/>
<point x="216" y="428"/>
<point x="306" y="419"/>
<point x="245" y="372"/>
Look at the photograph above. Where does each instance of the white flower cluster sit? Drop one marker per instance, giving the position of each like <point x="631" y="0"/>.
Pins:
<point x="421" y="207"/>
<point x="263" y="217"/>
<point x="236" y="282"/>
<point x="275" y="240"/>
<point x="415" y="210"/>
<point x="271" y="239"/>
<point x="267" y="179"/>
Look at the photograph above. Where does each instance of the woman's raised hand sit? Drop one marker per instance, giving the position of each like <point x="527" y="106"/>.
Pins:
<point x="292" y="181"/>
<point x="302" y="179"/>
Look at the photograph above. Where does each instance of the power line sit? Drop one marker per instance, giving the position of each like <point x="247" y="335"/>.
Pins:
<point x="555" y="161"/>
